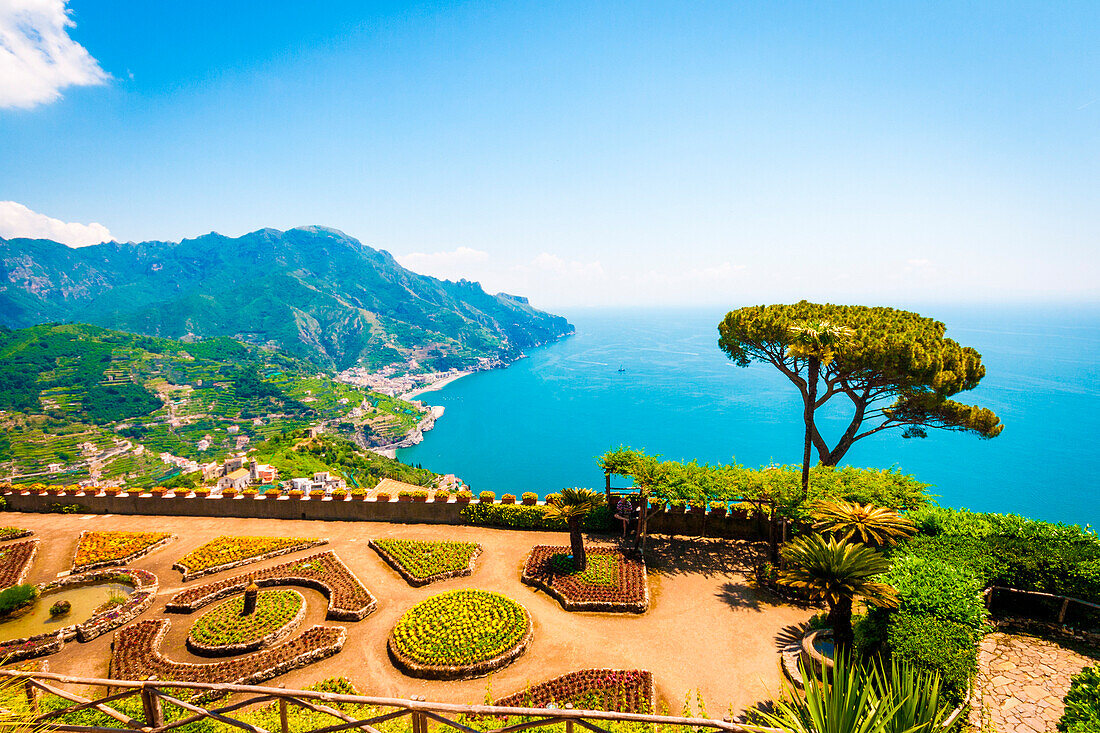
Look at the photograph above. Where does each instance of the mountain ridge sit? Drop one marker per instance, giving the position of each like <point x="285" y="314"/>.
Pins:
<point x="313" y="291"/>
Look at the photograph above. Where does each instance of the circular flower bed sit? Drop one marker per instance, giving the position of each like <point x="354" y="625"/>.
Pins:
<point x="226" y="630"/>
<point x="460" y="634"/>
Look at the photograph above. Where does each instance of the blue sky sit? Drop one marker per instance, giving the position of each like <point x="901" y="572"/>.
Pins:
<point x="590" y="153"/>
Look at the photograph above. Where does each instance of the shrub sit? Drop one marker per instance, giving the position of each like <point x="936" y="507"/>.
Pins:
<point x="935" y="645"/>
<point x="530" y="498"/>
<point x="60" y="608"/>
<point x="928" y="587"/>
<point x="518" y="516"/>
<point x="16" y="597"/>
<point x="1082" y="713"/>
<point x="488" y="497"/>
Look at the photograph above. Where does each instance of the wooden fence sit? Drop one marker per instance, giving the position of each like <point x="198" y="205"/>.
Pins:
<point x="236" y="698"/>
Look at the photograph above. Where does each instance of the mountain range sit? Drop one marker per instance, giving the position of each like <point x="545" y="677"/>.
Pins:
<point x="313" y="292"/>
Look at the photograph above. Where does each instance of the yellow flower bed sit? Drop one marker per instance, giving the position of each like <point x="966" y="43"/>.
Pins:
<point x="100" y="548"/>
<point x="225" y="550"/>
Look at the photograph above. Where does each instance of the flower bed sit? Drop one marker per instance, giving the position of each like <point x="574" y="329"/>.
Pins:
<point x="224" y="630"/>
<point x="348" y="599"/>
<point x="611" y="582"/>
<point x="136" y="655"/>
<point x="460" y="634"/>
<point x="39" y="645"/>
<point x="225" y="553"/>
<point x="614" y="690"/>
<point x="14" y="533"/>
<point x="421" y="562"/>
<point x="102" y="549"/>
<point x="15" y="562"/>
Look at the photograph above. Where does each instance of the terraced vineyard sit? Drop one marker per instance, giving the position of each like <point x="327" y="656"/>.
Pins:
<point x="79" y="401"/>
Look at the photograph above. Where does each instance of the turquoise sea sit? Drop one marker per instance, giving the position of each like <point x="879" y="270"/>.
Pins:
<point x="540" y="424"/>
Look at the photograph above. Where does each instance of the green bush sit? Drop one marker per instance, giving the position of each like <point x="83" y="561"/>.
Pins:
<point x="933" y="644"/>
<point x="928" y="587"/>
<point x="1082" y="713"/>
<point x="518" y="516"/>
<point x="16" y="596"/>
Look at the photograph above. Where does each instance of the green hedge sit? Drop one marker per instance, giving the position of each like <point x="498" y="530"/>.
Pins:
<point x="938" y="622"/>
<point x="1011" y="551"/>
<point x="1082" y="713"/>
<point x="518" y="516"/>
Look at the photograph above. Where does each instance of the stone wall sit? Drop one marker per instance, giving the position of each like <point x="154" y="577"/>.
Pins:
<point x="408" y="512"/>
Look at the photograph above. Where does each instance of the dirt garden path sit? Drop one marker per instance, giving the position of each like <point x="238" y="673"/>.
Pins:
<point x="708" y="628"/>
<point x="1022" y="681"/>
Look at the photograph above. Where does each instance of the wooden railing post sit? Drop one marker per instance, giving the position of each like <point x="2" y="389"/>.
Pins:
<point x="284" y="724"/>
<point x="152" y="706"/>
<point x="32" y="695"/>
<point x="1062" y="613"/>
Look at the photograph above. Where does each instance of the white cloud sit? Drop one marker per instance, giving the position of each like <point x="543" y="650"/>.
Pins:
<point x="37" y="57"/>
<point x="547" y="262"/>
<point x="16" y="220"/>
<point x="455" y="264"/>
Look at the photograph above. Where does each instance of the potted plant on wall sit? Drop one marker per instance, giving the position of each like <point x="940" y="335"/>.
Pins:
<point x="463" y="497"/>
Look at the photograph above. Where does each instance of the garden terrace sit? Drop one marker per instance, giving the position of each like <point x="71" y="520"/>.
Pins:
<point x="423" y="562"/>
<point x="226" y="553"/>
<point x="225" y="629"/>
<point x="460" y="634"/>
<point x="136" y="655"/>
<point x="15" y="562"/>
<point x="348" y="598"/>
<point x="96" y="550"/>
<point x="14" y="533"/>
<point x="612" y="581"/>
<point x="620" y="690"/>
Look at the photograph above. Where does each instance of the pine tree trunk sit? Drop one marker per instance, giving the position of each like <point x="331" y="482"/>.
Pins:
<point x="576" y="541"/>
<point x="808" y="419"/>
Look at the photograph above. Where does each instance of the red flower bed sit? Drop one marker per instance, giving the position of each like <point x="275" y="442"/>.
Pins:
<point x="614" y="690"/>
<point x="348" y="598"/>
<point x="612" y="582"/>
<point x="15" y="562"/>
<point x="136" y="655"/>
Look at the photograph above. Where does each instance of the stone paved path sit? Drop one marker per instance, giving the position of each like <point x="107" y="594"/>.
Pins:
<point x="1021" y="683"/>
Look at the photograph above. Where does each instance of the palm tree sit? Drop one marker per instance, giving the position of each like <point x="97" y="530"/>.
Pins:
<point x="574" y="505"/>
<point x="837" y="572"/>
<point x="815" y="341"/>
<point x="866" y="523"/>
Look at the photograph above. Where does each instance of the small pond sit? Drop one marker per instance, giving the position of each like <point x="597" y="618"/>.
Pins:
<point x="824" y="646"/>
<point x="84" y="599"/>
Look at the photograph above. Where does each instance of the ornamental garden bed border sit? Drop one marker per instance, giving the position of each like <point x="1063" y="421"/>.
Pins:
<point x="461" y="672"/>
<point x="264" y="642"/>
<point x="145" y="585"/>
<point x="556" y="690"/>
<point x="416" y="582"/>
<point x="118" y="561"/>
<point x="339" y="600"/>
<point x="135" y="654"/>
<point x="17" y="533"/>
<point x="16" y="650"/>
<point x="16" y="562"/>
<point x="189" y="574"/>
<point x="145" y="591"/>
<point x="536" y="574"/>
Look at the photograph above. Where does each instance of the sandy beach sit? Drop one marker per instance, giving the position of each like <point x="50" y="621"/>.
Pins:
<point x="434" y="386"/>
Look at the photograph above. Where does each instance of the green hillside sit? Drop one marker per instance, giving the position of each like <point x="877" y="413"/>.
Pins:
<point x="312" y="292"/>
<point x="106" y="404"/>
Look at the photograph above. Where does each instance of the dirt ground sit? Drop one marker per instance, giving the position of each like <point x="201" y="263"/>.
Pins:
<point x="708" y="628"/>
